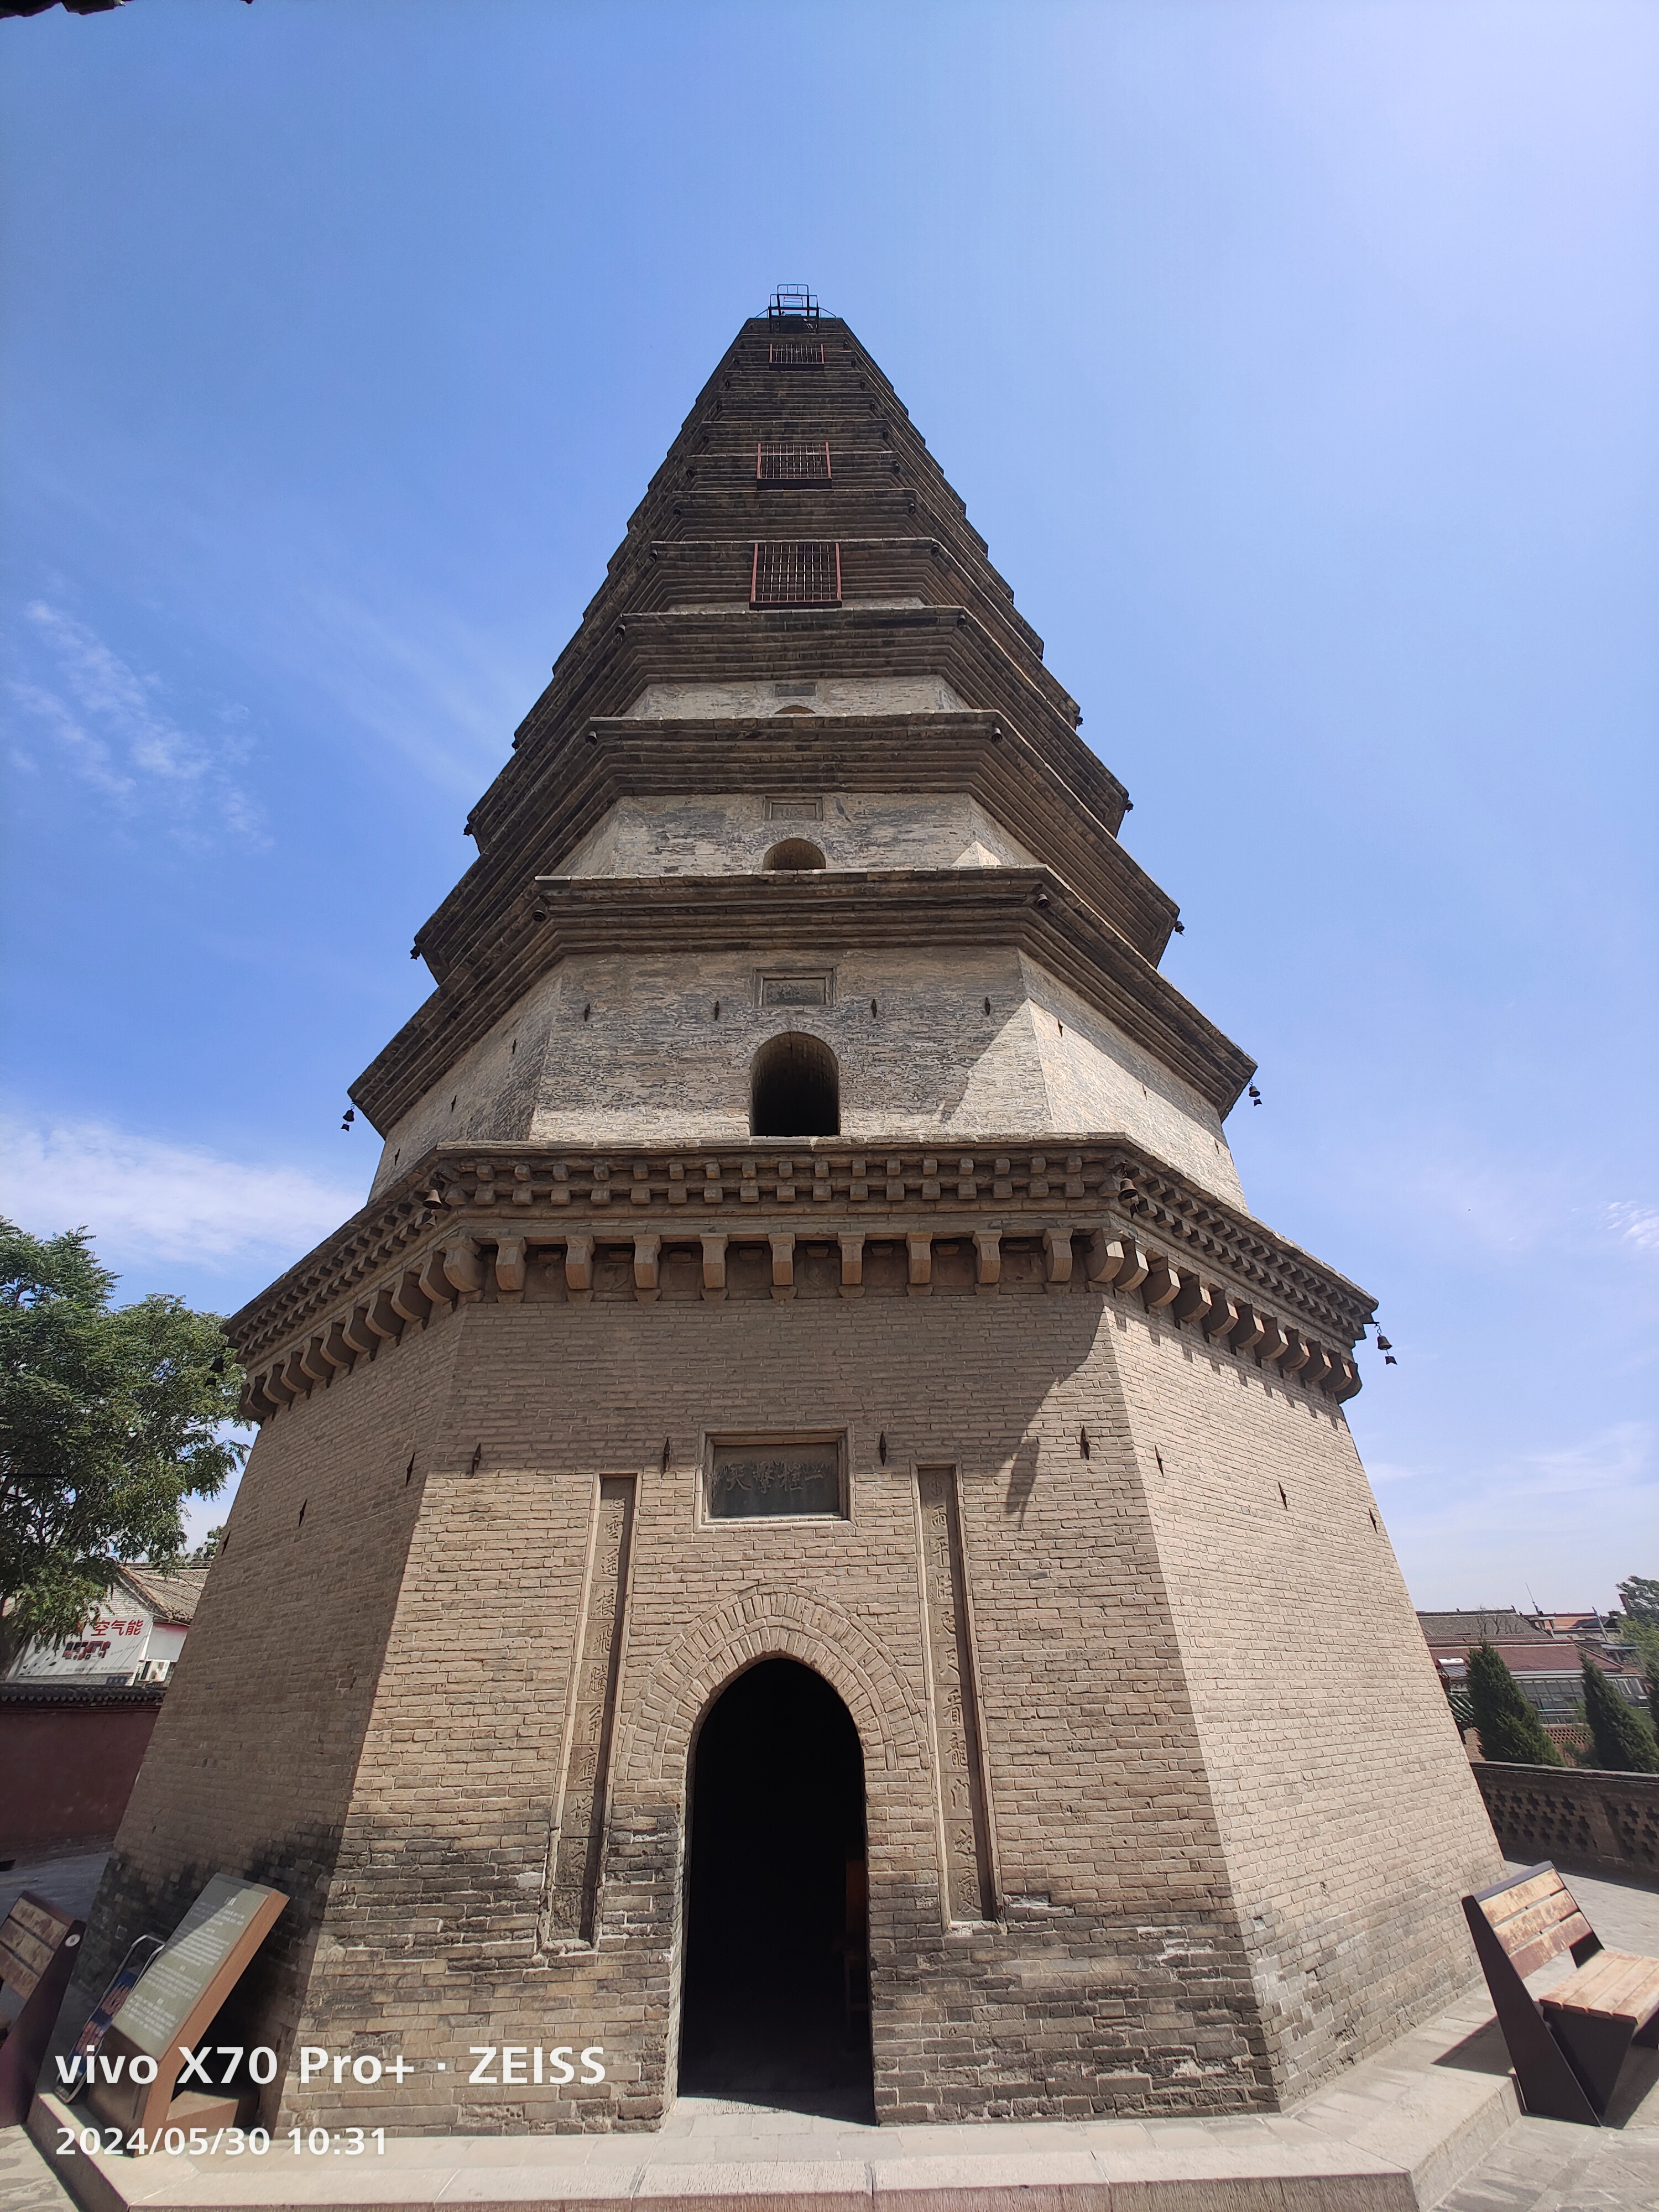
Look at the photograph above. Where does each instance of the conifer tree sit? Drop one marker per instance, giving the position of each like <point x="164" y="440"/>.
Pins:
<point x="1624" y="1743"/>
<point x="1510" y="1731"/>
<point x="1644" y="1635"/>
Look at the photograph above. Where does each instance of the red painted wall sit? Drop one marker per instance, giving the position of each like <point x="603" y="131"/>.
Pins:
<point x="68" y="1761"/>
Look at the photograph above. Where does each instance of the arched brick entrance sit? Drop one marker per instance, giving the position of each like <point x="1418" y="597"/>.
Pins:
<point x="775" y="2004"/>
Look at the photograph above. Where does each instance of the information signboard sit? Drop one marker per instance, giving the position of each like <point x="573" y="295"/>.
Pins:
<point x="171" y="2007"/>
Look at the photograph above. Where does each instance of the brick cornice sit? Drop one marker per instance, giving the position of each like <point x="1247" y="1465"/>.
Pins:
<point x="759" y="645"/>
<point x="485" y="1198"/>
<point x="1029" y="909"/>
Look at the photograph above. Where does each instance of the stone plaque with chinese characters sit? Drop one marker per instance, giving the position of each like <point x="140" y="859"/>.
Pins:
<point x="749" y="1481"/>
<point x="795" y="990"/>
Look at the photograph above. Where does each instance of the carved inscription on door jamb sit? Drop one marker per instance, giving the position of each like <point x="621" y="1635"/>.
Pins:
<point x="968" y="1885"/>
<point x="576" y="1848"/>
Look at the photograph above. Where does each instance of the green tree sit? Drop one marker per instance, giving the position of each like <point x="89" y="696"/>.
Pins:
<point x="1643" y="1634"/>
<point x="1510" y="1729"/>
<point x="207" y="1550"/>
<point x="1640" y="1596"/>
<point x="110" y="1418"/>
<point x="1625" y="1744"/>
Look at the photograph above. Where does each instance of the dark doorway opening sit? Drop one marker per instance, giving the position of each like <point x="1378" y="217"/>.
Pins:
<point x="775" y="2009"/>
<point x="797" y="852"/>
<point x="794" y="1089"/>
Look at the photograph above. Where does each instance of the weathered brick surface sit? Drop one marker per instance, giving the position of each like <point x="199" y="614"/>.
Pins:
<point x="733" y="829"/>
<point x="633" y="1044"/>
<point x="252" y="1764"/>
<point x="1201" y="1905"/>
<point x="1348" y="1828"/>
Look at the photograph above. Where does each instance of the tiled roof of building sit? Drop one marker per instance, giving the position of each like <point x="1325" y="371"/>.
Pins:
<point x="81" y="1693"/>
<point x="1520" y="1654"/>
<point x="1491" y="1625"/>
<point x="171" y="1597"/>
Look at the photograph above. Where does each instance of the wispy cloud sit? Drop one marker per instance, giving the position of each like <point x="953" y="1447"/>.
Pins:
<point x="113" y="727"/>
<point x="431" y="693"/>
<point x="1635" y="1224"/>
<point x="1475" y="1200"/>
<point x="152" y="1200"/>
<point x="1470" y="1535"/>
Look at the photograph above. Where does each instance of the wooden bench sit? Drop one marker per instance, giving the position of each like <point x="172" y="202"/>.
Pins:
<point x="1568" y="2044"/>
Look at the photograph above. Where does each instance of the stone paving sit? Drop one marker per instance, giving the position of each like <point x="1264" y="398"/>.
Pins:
<point x="1544" y="2166"/>
<point x="27" y="2183"/>
<point x="1436" y="2110"/>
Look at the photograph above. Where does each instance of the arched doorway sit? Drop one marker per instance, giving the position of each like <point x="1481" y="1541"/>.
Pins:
<point x="775" y="2004"/>
<point x="794" y="1088"/>
<point x="796" y="852"/>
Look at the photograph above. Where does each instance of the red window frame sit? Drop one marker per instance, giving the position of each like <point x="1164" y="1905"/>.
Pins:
<point x="793" y="475"/>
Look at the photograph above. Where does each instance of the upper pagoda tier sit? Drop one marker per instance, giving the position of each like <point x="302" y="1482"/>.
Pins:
<point x="802" y="625"/>
<point x="683" y="619"/>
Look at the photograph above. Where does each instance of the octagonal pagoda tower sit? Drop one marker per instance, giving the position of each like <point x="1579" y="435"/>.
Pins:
<point x="805" y="1525"/>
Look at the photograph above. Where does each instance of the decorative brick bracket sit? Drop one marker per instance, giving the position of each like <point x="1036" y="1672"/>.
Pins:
<point x="1280" y="1307"/>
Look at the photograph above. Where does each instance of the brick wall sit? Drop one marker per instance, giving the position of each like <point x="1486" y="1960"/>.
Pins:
<point x="69" y="1757"/>
<point x="1608" y="1823"/>
<point x="630" y="1044"/>
<point x="1160" y="1927"/>
<point x="1348" y="1821"/>
<point x="831" y="695"/>
<point x="733" y="830"/>
<point x="251" y="1766"/>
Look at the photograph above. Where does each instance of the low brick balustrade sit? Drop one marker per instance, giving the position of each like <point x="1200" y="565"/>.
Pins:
<point x="1605" y="1823"/>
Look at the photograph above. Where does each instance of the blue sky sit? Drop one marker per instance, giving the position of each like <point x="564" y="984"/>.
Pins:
<point x="1299" y="362"/>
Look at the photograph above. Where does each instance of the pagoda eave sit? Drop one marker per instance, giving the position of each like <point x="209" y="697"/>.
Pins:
<point x="1029" y="909"/>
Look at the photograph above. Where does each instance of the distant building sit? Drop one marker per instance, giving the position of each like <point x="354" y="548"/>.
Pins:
<point x="1544" y="1651"/>
<point x="1570" y="1624"/>
<point x="133" y="1636"/>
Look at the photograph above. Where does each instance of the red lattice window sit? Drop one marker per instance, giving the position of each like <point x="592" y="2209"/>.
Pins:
<point x="795" y="573"/>
<point x="791" y="464"/>
<point x="795" y="356"/>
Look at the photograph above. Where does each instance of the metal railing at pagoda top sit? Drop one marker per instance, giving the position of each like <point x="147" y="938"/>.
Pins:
<point x="793" y="302"/>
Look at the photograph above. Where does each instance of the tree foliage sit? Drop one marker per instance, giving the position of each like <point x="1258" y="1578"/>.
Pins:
<point x="1624" y="1742"/>
<point x="1641" y="1629"/>
<point x="110" y="1418"/>
<point x="1510" y="1729"/>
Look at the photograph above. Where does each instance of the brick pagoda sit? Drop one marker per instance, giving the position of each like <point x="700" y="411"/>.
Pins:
<point x="805" y="1525"/>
